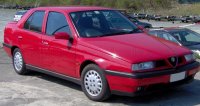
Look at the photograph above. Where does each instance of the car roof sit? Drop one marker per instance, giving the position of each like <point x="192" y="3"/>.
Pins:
<point x="74" y="8"/>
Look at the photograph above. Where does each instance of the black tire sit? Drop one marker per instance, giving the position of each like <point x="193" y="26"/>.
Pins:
<point x="21" y="71"/>
<point x="105" y="92"/>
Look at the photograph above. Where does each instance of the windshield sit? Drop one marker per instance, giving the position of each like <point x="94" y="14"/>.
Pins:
<point x="186" y="37"/>
<point x="102" y="23"/>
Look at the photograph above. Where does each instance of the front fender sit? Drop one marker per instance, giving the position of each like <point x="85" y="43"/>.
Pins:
<point x="103" y="60"/>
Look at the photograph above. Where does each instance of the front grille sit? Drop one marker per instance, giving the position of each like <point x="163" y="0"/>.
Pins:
<point x="160" y="63"/>
<point x="179" y="60"/>
<point x="173" y="61"/>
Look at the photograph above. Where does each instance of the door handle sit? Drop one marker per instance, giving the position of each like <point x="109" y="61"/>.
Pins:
<point x="45" y="43"/>
<point x="20" y="37"/>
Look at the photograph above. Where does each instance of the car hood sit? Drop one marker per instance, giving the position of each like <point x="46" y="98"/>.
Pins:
<point x="135" y="48"/>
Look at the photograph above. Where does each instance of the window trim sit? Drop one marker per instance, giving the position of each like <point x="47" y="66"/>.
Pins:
<point x="45" y="31"/>
<point x="32" y="14"/>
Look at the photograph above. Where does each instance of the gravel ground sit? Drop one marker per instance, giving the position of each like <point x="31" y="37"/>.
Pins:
<point x="38" y="89"/>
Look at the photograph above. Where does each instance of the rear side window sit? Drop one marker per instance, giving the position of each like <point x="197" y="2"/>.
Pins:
<point x="35" y="21"/>
<point x="57" y="23"/>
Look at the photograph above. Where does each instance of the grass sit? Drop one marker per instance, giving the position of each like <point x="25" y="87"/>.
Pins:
<point x="176" y="10"/>
<point x="182" y="9"/>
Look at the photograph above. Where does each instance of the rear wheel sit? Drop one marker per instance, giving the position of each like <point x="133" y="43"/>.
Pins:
<point x="18" y="62"/>
<point x="94" y="83"/>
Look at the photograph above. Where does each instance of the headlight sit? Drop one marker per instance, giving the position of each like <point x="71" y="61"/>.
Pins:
<point x="189" y="57"/>
<point x="143" y="66"/>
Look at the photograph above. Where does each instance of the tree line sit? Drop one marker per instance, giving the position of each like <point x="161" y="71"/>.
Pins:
<point x="122" y="4"/>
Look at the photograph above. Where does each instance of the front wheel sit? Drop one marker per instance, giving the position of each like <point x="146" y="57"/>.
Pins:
<point x="94" y="83"/>
<point x="18" y="62"/>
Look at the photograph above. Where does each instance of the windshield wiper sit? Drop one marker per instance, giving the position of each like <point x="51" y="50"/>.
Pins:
<point x="120" y="33"/>
<point x="134" y="31"/>
<point x="111" y="34"/>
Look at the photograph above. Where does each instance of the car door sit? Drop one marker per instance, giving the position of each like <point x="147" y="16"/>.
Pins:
<point x="57" y="54"/>
<point x="29" y="38"/>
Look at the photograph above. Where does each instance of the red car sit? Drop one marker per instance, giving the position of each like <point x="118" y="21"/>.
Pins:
<point x="98" y="48"/>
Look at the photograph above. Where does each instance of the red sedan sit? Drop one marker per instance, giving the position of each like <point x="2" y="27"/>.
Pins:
<point x="98" y="48"/>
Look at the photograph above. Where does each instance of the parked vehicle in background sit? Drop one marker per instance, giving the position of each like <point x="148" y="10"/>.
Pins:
<point x="141" y="16"/>
<point x="9" y="6"/>
<point x="6" y="6"/>
<point x="182" y="36"/>
<point x="135" y="15"/>
<point x="186" y="19"/>
<point x="150" y="17"/>
<point x="157" y="17"/>
<point x="27" y="7"/>
<point x="19" y="15"/>
<point x="171" y="18"/>
<point x="98" y="48"/>
<point x="178" y="18"/>
<point x="196" y="19"/>
<point x="136" y="21"/>
<point x="1" y="6"/>
<point x="139" y="23"/>
<point x="123" y="11"/>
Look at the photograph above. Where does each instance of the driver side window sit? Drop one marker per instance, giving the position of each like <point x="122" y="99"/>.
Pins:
<point x="57" y="23"/>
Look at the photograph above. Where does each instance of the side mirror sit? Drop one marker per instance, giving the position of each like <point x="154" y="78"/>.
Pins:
<point x="62" y="35"/>
<point x="141" y="28"/>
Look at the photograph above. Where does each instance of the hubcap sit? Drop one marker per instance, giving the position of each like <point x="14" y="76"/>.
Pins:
<point x="93" y="83"/>
<point x="18" y="61"/>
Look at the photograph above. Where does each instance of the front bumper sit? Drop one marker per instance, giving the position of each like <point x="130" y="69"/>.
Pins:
<point x="131" y="83"/>
<point x="154" y="88"/>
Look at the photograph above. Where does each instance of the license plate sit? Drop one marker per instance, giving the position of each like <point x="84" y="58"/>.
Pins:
<point x="177" y="77"/>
